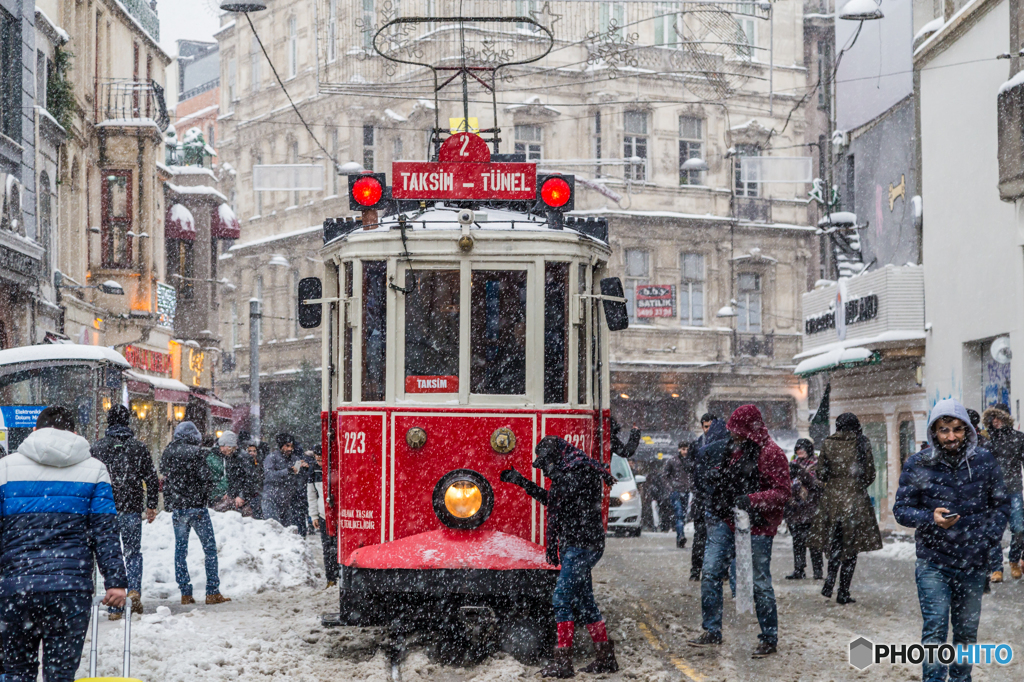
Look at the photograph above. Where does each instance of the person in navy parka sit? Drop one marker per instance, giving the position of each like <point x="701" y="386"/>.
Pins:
<point x="56" y="512"/>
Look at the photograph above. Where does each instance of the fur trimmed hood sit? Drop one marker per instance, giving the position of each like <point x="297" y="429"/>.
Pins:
<point x="996" y="412"/>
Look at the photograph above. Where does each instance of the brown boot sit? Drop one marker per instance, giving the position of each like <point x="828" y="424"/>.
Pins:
<point x="605" y="659"/>
<point x="561" y="665"/>
<point x="997" y="576"/>
<point x="216" y="598"/>
<point x="1015" y="569"/>
<point x="187" y="599"/>
<point x="136" y="601"/>
<point x="115" y="615"/>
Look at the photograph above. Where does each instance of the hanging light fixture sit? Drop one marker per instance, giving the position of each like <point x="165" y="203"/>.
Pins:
<point x="861" y="10"/>
<point x="695" y="164"/>
<point x="243" y="5"/>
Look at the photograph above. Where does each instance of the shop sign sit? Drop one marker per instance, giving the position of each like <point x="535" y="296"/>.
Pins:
<point x="16" y="261"/>
<point x="166" y="304"/>
<point x="149" y="360"/>
<point x="655" y="300"/>
<point x="195" y="368"/>
<point x="855" y="310"/>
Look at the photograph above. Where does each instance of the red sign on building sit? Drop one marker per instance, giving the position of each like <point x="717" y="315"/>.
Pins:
<point x="655" y="300"/>
<point x="149" y="360"/>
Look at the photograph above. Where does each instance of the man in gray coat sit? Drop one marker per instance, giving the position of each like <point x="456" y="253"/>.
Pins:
<point x="284" y="483"/>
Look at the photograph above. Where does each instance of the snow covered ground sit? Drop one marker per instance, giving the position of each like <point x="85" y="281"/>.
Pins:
<point x="271" y="630"/>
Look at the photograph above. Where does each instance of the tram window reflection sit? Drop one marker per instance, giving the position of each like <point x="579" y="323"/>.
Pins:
<point x="581" y="341"/>
<point x="556" y="330"/>
<point x="374" y="329"/>
<point x="498" y="313"/>
<point x="347" y="336"/>
<point x="432" y="331"/>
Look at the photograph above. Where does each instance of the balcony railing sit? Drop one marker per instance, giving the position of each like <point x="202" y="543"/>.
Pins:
<point x="145" y="15"/>
<point x="755" y="345"/>
<point x="754" y="209"/>
<point x="119" y="99"/>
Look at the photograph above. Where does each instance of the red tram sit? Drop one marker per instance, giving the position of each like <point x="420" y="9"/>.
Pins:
<point x="464" y="318"/>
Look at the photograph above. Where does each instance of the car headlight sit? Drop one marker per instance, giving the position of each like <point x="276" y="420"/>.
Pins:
<point x="463" y="499"/>
<point x="626" y="496"/>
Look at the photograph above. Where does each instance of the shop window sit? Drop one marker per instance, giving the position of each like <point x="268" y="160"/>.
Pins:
<point x="117" y="219"/>
<point x="374" y="330"/>
<point x="432" y="331"/>
<point x="748" y="295"/>
<point x="556" y="332"/>
<point x="498" y="315"/>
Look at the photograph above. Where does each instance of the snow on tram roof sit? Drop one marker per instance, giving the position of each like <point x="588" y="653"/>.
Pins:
<point x="61" y="352"/>
<point x="487" y="218"/>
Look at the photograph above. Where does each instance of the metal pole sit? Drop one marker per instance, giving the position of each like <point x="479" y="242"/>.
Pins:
<point x="254" y="367"/>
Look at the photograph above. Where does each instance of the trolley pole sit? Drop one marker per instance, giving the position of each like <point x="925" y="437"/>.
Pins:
<point x="254" y="367"/>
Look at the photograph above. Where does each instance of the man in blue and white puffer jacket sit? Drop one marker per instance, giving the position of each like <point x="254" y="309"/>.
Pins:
<point x="56" y="511"/>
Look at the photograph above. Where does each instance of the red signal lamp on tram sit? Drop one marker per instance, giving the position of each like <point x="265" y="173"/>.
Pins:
<point x="366" y="191"/>
<point x="557" y="192"/>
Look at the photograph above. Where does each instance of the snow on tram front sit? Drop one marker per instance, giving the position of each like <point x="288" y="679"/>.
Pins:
<point x="464" y="318"/>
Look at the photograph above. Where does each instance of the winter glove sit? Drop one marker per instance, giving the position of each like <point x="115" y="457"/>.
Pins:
<point x="510" y="475"/>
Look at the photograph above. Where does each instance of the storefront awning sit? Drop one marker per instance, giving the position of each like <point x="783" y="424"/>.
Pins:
<point x="164" y="390"/>
<point x="224" y="224"/>
<point x="179" y="223"/>
<point x="218" y="408"/>
<point x="838" y="357"/>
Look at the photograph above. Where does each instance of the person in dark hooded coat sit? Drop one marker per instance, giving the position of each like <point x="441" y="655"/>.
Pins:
<point x="575" y="539"/>
<point x="715" y="432"/>
<point x="801" y="508"/>
<point x="845" y="524"/>
<point x="136" y="489"/>
<point x="1007" y="445"/>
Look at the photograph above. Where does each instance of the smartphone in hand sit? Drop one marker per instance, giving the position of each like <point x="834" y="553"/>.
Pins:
<point x="950" y="515"/>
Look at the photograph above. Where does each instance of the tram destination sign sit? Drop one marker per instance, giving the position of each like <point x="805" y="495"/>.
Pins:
<point x="446" y="180"/>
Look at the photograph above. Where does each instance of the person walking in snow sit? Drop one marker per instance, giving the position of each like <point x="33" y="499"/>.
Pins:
<point x="845" y="523"/>
<point x="677" y="478"/>
<point x="953" y="494"/>
<point x="714" y="430"/>
<point x="575" y="539"/>
<point x="747" y="472"/>
<point x="801" y="507"/>
<point x="187" y="486"/>
<point x="315" y="499"/>
<point x="284" y="474"/>
<point x="57" y="514"/>
<point x="136" y="490"/>
<point x="1007" y="445"/>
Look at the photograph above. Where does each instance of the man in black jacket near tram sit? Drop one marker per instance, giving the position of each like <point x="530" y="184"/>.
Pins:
<point x="136" y="489"/>
<point x="575" y="539"/>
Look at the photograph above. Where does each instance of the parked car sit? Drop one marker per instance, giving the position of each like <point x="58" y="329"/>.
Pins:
<point x="624" y="505"/>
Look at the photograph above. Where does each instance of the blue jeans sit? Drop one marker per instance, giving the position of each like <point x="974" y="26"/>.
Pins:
<point x="1016" y="532"/>
<point x="574" y="592"/>
<point x="58" y="619"/>
<point x="720" y="551"/>
<point x="199" y="520"/>
<point x="679" y="505"/>
<point x="948" y="595"/>
<point x="130" y="526"/>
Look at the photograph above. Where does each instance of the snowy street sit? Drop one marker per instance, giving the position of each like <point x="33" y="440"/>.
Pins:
<point x="271" y="630"/>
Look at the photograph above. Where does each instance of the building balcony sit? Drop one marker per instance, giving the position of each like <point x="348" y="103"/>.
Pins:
<point x="131" y="101"/>
<point x="755" y="345"/>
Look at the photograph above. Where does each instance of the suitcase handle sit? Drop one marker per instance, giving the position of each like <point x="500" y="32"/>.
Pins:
<point x="94" y="645"/>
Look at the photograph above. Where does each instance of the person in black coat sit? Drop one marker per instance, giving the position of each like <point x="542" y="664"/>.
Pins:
<point x="187" y="484"/>
<point x="575" y="539"/>
<point x="714" y="431"/>
<point x="136" y="489"/>
<point x="238" y="467"/>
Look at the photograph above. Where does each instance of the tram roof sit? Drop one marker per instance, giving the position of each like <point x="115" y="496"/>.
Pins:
<point x="62" y="352"/>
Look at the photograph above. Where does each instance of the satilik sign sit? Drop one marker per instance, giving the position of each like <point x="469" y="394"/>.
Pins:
<point x="655" y="300"/>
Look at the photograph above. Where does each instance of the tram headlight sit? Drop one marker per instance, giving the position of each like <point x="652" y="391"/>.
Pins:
<point x="463" y="499"/>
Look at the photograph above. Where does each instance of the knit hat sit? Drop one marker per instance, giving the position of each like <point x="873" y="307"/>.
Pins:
<point x="119" y="415"/>
<point x="805" y="444"/>
<point x="284" y="439"/>
<point x="228" y="439"/>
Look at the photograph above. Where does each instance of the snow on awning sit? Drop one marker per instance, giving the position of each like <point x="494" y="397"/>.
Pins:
<point x="164" y="390"/>
<point x="180" y="223"/>
<point x="833" y="358"/>
<point x="218" y="408"/>
<point x="224" y="224"/>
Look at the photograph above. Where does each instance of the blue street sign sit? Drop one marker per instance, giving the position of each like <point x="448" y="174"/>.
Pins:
<point x="21" y="416"/>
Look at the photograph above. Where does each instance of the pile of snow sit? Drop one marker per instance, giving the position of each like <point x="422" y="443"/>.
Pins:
<point x="253" y="556"/>
<point x="900" y="549"/>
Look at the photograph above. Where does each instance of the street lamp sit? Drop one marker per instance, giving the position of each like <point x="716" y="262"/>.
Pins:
<point x="861" y="10"/>
<point x="243" y="5"/>
<point x="728" y="310"/>
<point x="695" y="164"/>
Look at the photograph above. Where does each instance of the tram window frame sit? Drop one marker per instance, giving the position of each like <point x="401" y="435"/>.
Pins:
<point x="477" y="380"/>
<point x="582" y="335"/>
<point x="413" y="284"/>
<point x="373" y="387"/>
<point x="348" y="331"/>
<point x="556" y="332"/>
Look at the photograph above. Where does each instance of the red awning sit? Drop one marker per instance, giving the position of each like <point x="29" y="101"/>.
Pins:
<point x="224" y="224"/>
<point x="179" y="223"/>
<point x="218" y="408"/>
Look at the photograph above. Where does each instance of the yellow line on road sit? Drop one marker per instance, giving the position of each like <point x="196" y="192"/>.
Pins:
<point x="652" y="639"/>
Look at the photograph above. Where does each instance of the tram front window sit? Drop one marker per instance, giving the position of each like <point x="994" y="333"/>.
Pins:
<point x="556" y="329"/>
<point x="432" y="331"/>
<point x="375" y="290"/>
<point x="498" y="314"/>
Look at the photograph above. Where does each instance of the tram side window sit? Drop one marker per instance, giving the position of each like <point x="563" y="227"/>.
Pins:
<point x="581" y="342"/>
<point x="374" y="329"/>
<point x="347" y="336"/>
<point x="556" y="332"/>
<point x="498" y="350"/>
<point x="432" y="331"/>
